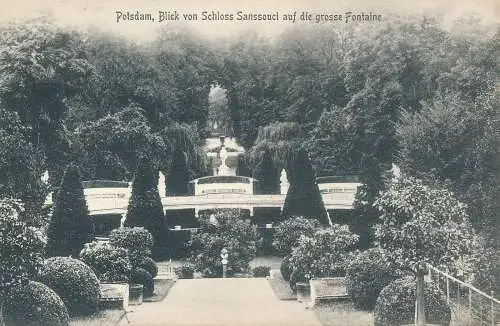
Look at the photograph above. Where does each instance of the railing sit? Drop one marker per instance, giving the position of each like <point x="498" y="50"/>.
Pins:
<point x="469" y="305"/>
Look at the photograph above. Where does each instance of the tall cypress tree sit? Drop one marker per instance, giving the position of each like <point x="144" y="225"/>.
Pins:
<point x="303" y="197"/>
<point x="267" y="174"/>
<point x="145" y="208"/>
<point x="70" y="226"/>
<point x="178" y="177"/>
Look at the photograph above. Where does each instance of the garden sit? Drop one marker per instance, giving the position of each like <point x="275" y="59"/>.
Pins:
<point x="414" y="94"/>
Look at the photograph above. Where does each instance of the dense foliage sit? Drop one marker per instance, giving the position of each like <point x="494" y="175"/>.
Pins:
<point x="138" y="242"/>
<point x="366" y="276"/>
<point x="420" y="223"/>
<point x="21" y="251"/>
<point x="178" y="175"/>
<point x="70" y="226"/>
<point x="229" y="231"/>
<point x="396" y="304"/>
<point x="149" y="264"/>
<point x="74" y="282"/>
<point x="268" y="175"/>
<point x="185" y="271"/>
<point x="288" y="233"/>
<point x="326" y="254"/>
<point x="303" y="197"/>
<point x="141" y="276"/>
<point x="145" y="208"/>
<point x="34" y="304"/>
<point x="109" y="263"/>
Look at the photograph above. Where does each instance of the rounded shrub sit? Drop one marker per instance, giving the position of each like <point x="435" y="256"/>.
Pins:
<point x="261" y="271"/>
<point x="34" y="304"/>
<point x="150" y="265"/>
<point x="285" y="268"/>
<point x="366" y="276"/>
<point x="142" y="276"/>
<point x="396" y="304"/>
<point x="133" y="239"/>
<point x="186" y="271"/>
<point x="297" y="276"/>
<point x="75" y="282"/>
<point x="288" y="233"/>
<point x="109" y="263"/>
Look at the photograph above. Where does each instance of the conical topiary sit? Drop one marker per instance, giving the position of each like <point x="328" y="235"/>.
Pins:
<point x="303" y="197"/>
<point x="145" y="208"/>
<point x="70" y="226"/>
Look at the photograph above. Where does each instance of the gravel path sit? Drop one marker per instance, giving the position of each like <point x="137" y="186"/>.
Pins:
<point x="220" y="302"/>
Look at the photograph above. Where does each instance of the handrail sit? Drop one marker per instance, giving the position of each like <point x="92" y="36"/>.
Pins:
<point x="463" y="283"/>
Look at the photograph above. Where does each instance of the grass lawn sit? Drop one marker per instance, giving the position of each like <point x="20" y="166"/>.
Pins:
<point x="281" y="288"/>
<point x="342" y="314"/>
<point x="108" y="317"/>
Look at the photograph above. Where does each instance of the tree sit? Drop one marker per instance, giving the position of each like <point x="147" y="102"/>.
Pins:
<point x="303" y="197"/>
<point x="178" y="175"/>
<point x="21" y="252"/>
<point x="145" y="208"/>
<point x="111" y="147"/>
<point x="423" y="224"/>
<point x="457" y="142"/>
<point x="227" y="230"/>
<point x="70" y="226"/>
<point x="267" y="174"/>
<point x="21" y="168"/>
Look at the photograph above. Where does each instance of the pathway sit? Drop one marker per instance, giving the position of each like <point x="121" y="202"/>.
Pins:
<point x="221" y="302"/>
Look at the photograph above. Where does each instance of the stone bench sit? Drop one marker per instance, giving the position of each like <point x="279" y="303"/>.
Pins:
<point x="114" y="295"/>
<point x="327" y="289"/>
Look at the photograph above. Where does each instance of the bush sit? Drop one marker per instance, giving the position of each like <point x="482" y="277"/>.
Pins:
<point x="150" y="265"/>
<point x="261" y="271"/>
<point x="142" y="276"/>
<point x="288" y="233"/>
<point x="326" y="254"/>
<point x="366" y="276"/>
<point x="285" y="268"/>
<point x="239" y="237"/>
<point x="186" y="271"/>
<point x="109" y="263"/>
<point x="74" y="282"/>
<point x="297" y="276"/>
<point x="21" y="247"/>
<point x="396" y="304"/>
<point x="135" y="239"/>
<point x="34" y="304"/>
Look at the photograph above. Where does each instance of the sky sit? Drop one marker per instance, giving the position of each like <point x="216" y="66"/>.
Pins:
<point x="102" y="13"/>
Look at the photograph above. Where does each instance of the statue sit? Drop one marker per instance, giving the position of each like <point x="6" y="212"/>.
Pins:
<point x="284" y="184"/>
<point x="223" y="168"/>
<point x="161" y="185"/>
<point x="224" y="255"/>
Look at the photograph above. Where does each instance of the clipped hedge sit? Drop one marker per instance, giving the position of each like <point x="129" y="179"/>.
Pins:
<point x="34" y="304"/>
<point x="261" y="271"/>
<point x="75" y="282"/>
<point x="186" y="271"/>
<point x="366" y="276"/>
<point x="395" y="305"/>
<point x="109" y="263"/>
<point x="142" y="276"/>
<point x="150" y="265"/>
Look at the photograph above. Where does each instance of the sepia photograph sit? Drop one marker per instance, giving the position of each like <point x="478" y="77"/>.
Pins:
<point x="249" y="163"/>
